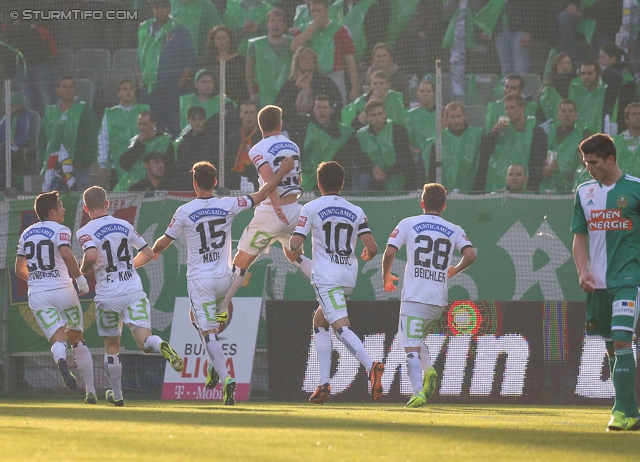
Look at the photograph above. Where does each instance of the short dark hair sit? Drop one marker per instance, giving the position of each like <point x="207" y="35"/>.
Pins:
<point x="249" y="102"/>
<point x="373" y="104"/>
<point x="595" y="64"/>
<point x="152" y="155"/>
<point x="517" y="97"/>
<point x="434" y="195"/>
<point x="65" y="77"/>
<point x="194" y="110"/>
<point x="123" y="81"/>
<point x="331" y="176"/>
<point x="269" y="118"/>
<point x="380" y="75"/>
<point x="205" y="175"/>
<point x="515" y="77"/>
<point x="568" y="101"/>
<point x="599" y="144"/>
<point x="322" y="97"/>
<point x="45" y="203"/>
<point x="149" y="114"/>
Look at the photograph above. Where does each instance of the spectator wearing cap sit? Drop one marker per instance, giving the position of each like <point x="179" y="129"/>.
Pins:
<point x="204" y="97"/>
<point x="148" y="139"/>
<point x="155" y="180"/>
<point x="166" y="57"/>
<point x="19" y="129"/>
<point x="198" y="142"/>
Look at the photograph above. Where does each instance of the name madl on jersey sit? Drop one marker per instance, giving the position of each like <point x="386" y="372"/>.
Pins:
<point x="211" y="256"/>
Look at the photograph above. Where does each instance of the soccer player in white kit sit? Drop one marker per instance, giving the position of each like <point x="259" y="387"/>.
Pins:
<point x="108" y="244"/>
<point x="45" y="260"/>
<point x="335" y="225"/>
<point x="276" y="218"/>
<point x="430" y="242"/>
<point x="206" y="222"/>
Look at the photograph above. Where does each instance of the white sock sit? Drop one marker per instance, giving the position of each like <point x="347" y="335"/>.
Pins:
<point x="59" y="351"/>
<point x="305" y="265"/>
<point x="425" y="358"/>
<point x="113" y="367"/>
<point x="85" y="365"/>
<point x="152" y="343"/>
<point x="324" y="349"/>
<point x="217" y="356"/>
<point x="414" y="371"/>
<point x="355" y="346"/>
<point x="237" y="279"/>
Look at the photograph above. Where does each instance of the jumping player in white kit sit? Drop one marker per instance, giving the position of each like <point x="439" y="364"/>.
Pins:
<point x="335" y="225"/>
<point x="430" y="242"/>
<point x="108" y="244"/>
<point x="275" y="219"/>
<point x="45" y="260"/>
<point x="206" y="222"/>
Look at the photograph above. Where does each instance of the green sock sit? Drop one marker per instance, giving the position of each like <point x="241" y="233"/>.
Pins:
<point x="623" y="382"/>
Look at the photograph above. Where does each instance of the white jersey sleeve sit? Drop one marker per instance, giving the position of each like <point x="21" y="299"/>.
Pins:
<point x="39" y="245"/>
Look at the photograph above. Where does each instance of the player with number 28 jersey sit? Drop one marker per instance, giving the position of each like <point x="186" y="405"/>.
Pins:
<point x="430" y="241"/>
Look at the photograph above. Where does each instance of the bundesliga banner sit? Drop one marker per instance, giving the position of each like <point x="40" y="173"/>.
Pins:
<point x="523" y="245"/>
<point x="484" y="352"/>
<point x="238" y="340"/>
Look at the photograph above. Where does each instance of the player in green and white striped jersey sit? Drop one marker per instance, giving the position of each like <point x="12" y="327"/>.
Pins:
<point x="607" y="212"/>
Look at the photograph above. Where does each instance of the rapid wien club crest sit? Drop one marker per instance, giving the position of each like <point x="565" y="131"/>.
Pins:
<point x="623" y="201"/>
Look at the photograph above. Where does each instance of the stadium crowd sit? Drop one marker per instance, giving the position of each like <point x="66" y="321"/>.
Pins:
<point x="355" y="80"/>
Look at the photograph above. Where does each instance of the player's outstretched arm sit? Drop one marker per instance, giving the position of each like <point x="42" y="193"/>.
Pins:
<point x="370" y="247"/>
<point x="272" y="181"/>
<point x="21" y="268"/>
<point x="387" y="261"/>
<point x="74" y="270"/>
<point x="581" y="257"/>
<point x="145" y="255"/>
<point x="468" y="257"/>
<point x="161" y="244"/>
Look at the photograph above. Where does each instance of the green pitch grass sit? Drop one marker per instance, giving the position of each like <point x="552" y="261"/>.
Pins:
<point x="147" y="430"/>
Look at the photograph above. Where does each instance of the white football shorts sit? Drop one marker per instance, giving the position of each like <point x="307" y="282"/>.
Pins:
<point x="415" y="319"/>
<point x="333" y="301"/>
<point x="134" y="309"/>
<point x="266" y="228"/>
<point x="205" y="296"/>
<point x="57" y="308"/>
